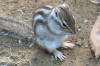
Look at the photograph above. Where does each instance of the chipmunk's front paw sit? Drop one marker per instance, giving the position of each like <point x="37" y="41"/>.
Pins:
<point x="59" y="55"/>
<point x="67" y="44"/>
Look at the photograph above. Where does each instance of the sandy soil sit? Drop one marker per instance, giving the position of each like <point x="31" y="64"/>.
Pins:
<point x="14" y="52"/>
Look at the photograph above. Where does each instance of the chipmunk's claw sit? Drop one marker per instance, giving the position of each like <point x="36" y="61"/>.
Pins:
<point x="59" y="55"/>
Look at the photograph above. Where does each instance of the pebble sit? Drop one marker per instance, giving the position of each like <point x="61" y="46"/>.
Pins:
<point x="86" y="46"/>
<point x="87" y="64"/>
<point x="19" y="41"/>
<point x="85" y="21"/>
<point x="79" y="42"/>
<point x="35" y="58"/>
<point x="79" y="29"/>
<point x="32" y="44"/>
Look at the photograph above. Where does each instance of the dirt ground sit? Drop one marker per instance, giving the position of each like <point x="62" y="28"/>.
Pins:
<point x="14" y="52"/>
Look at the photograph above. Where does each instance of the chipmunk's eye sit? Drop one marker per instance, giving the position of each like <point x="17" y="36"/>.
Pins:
<point x="64" y="25"/>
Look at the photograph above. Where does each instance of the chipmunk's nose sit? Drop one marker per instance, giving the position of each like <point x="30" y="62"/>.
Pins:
<point x="72" y="30"/>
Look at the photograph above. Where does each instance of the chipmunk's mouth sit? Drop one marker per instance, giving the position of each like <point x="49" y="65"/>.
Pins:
<point x="71" y="34"/>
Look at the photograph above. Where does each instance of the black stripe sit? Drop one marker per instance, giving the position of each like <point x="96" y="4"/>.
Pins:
<point x="40" y="13"/>
<point x="7" y="33"/>
<point x="37" y="22"/>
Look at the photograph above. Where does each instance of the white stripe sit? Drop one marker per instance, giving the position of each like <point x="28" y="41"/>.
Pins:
<point x="38" y="17"/>
<point x="49" y="6"/>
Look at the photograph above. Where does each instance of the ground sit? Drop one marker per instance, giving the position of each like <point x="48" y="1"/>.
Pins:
<point x="14" y="52"/>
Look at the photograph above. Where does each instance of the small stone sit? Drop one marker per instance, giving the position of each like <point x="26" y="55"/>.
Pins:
<point x="23" y="10"/>
<point x="19" y="41"/>
<point x="35" y="58"/>
<point x="79" y="29"/>
<point x="87" y="64"/>
<point x="85" y="21"/>
<point x="86" y="46"/>
<point x="32" y="44"/>
<point x="79" y="42"/>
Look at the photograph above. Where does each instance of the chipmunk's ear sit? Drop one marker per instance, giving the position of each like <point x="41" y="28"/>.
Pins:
<point x="55" y="12"/>
<point x="65" y="6"/>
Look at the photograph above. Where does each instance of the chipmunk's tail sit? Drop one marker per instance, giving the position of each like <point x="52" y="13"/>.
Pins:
<point x="11" y="27"/>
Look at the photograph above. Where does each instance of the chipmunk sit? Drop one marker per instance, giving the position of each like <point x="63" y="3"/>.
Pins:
<point x="12" y="27"/>
<point x="52" y="26"/>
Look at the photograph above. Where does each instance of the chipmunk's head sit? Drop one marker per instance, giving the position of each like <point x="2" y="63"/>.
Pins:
<point x="64" y="17"/>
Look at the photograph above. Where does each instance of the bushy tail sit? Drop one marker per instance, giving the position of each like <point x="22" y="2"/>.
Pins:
<point x="11" y="27"/>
